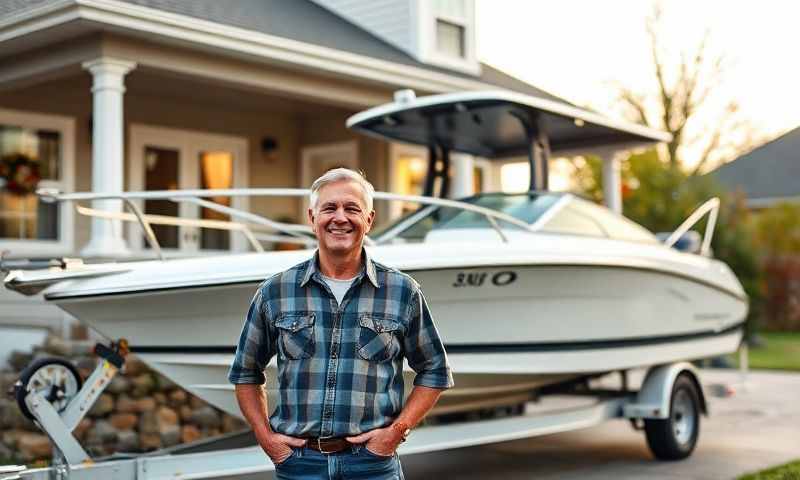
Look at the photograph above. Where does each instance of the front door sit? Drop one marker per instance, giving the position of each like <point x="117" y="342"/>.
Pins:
<point x="170" y="159"/>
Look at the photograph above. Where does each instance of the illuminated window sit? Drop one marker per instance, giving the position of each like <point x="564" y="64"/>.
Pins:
<point x="410" y="178"/>
<point x="29" y="158"/>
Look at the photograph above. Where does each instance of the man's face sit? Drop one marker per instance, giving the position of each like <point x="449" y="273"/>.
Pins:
<point x="340" y="219"/>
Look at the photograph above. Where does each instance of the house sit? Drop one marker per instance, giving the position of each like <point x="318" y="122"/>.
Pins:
<point x="113" y="95"/>
<point x="766" y="175"/>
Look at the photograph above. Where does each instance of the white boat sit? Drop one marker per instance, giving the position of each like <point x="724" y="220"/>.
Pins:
<point x="527" y="290"/>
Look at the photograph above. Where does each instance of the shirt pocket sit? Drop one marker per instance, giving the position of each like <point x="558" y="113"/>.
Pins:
<point x="378" y="338"/>
<point x="296" y="337"/>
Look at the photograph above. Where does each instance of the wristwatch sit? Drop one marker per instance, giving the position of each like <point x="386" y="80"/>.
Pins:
<point x="403" y="429"/>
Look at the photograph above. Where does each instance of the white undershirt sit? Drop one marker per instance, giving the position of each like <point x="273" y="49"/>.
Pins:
<point x="338" y="287"/>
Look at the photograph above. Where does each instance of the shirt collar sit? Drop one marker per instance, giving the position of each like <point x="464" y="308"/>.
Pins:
<point x="368" y="266"/>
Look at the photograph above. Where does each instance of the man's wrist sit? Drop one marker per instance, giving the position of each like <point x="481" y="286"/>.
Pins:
<point x="401" y="429"/>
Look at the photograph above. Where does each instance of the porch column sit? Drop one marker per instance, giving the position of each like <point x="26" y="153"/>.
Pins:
<point x="108" y="88"/>
<point x="612" y="181"/>
<point x="463" y="182"/>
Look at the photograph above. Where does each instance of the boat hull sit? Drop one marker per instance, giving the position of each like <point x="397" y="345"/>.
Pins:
<point x="508" y="329"/>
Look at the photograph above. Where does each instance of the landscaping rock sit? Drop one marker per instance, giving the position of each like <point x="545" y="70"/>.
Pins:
<point x="205" y="417"/>
<point x="185" y="412"/>
<point x="149" y="441"/>
<point x="103" y="433"/>
<point x="189" y="433"/>
<point x="160" y="398"/>
<point x="170" y="435"/>
<point x="177" y="397"/>
<point x="33" y="446"/>
<point x="11" y="437"/>
<point x="148" y="422"/>
<point x="142" y="385"/>
<point x="125" y="404"/>
<point x="56" y="346"/>
<point x="146" y="404"/>
<point x="83" y="426"/>
<point x="164" y="383"/>
<point x="119" y="384"/>
<point x="19" y="360"/>
<point x="127" y="441"/>
<point x="133" y="366"/>
<point x="167" y="416"/>
<point x="11" y="417"/>
<point x="231" y="423"/>
<point x="81" y="348"/>
<point x="124" y="421"/>
<point x="85" y="363"/>
<point x="196" y="402"/>
<point x="103" y="406"/>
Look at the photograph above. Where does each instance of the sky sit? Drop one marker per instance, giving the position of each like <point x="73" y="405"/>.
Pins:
<point x="581" y="50"/>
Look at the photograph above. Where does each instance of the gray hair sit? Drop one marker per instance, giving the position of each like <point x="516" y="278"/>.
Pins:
<point x="338" y="175"/>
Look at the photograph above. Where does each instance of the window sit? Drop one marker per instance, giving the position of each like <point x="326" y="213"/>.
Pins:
<point x="450" y="39"/>
<point x="35" y="152"/>
<point x="580" y="217"/>
<point x="571" y="220"/>
<point x="616" y="226"/>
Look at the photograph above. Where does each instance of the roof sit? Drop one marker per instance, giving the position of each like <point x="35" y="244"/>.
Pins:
<point x="302" y="21"/>
<point x="767" y="172"/>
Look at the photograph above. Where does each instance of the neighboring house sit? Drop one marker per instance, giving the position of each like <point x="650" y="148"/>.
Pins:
<point x="112" y="95"/>
<point x="767" y="175"/>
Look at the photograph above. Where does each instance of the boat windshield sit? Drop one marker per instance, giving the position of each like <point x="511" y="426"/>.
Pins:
<point x="413" y="227"/>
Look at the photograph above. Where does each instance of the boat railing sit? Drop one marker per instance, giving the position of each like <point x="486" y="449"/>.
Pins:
<point x="254" y="227"/>
<point x="710" y="207"/>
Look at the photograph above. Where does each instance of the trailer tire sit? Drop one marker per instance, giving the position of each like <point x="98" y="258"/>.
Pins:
<point x="675" y="437"/>
<point x="56" y="378"/>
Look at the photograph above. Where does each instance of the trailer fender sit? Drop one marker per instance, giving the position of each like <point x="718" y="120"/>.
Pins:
<point x="653" y="399"/>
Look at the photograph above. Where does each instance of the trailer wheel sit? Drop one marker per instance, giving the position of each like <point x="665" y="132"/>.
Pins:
<point x="56" y="379"/>
<point x="674" y="438"/>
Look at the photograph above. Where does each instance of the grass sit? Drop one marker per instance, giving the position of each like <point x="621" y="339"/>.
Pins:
<point x="790" y="471"/>
<point x="781" y="352"/>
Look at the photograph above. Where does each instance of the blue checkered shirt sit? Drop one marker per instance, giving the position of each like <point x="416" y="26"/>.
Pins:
<point x="340" y="367"/>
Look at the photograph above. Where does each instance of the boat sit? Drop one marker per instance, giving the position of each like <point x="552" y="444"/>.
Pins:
<point x="528" y="290"/>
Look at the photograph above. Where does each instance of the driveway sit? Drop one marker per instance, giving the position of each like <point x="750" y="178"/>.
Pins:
<point x="756" y="427"/>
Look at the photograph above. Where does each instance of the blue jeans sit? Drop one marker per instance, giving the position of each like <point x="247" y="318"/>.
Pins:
<point x="354" y="463"/>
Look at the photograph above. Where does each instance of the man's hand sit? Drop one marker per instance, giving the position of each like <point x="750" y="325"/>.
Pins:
<point x="278" y="446"/>
<point x="381" y="441"/>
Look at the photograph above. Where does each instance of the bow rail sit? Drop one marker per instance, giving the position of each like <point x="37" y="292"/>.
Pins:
<point x="247" y="223"/>
<point x="710" y="207"/>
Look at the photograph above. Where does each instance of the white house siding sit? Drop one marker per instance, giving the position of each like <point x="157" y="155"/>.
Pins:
<point x="391" y="20"/>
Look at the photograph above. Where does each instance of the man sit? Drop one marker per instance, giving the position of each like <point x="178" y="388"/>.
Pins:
<point x="340" y="325"/>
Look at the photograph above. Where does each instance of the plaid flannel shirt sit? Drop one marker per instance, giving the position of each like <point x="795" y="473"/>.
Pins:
<point x="340" y="367"/>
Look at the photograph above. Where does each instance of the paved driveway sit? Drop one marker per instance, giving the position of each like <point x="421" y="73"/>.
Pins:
<point x="757" y="427"/>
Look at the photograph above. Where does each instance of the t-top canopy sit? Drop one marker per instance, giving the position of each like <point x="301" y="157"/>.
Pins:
<point x="496" y="124"/>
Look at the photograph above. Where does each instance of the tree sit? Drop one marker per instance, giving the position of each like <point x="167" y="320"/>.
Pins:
<point x="681" y="90"/>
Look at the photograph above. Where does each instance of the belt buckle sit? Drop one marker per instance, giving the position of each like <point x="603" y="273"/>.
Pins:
<point x="321" y="450"/>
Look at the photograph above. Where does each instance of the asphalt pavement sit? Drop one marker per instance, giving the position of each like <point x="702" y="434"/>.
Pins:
<point x="756" y="427"/>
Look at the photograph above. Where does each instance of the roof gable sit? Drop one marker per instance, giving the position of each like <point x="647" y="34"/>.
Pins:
<point x="769" y="171"/>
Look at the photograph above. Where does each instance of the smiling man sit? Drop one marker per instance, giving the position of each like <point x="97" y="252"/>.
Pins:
<point x="341" y="325"/>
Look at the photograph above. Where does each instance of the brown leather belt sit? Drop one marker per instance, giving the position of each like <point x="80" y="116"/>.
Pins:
<point x="328" y="445"/>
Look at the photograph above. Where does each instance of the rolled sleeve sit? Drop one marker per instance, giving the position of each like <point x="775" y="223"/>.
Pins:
<point x="255" y="347"/>
<point x="424" y="349"/>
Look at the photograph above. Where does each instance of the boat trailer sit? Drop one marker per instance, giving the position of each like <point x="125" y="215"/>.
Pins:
<point x="667" y="406"/>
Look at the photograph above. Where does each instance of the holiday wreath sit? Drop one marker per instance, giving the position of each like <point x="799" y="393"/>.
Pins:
<point x="20" y="172"/>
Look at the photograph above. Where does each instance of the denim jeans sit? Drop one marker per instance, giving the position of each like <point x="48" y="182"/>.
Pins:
<point x="354" y="463"/>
